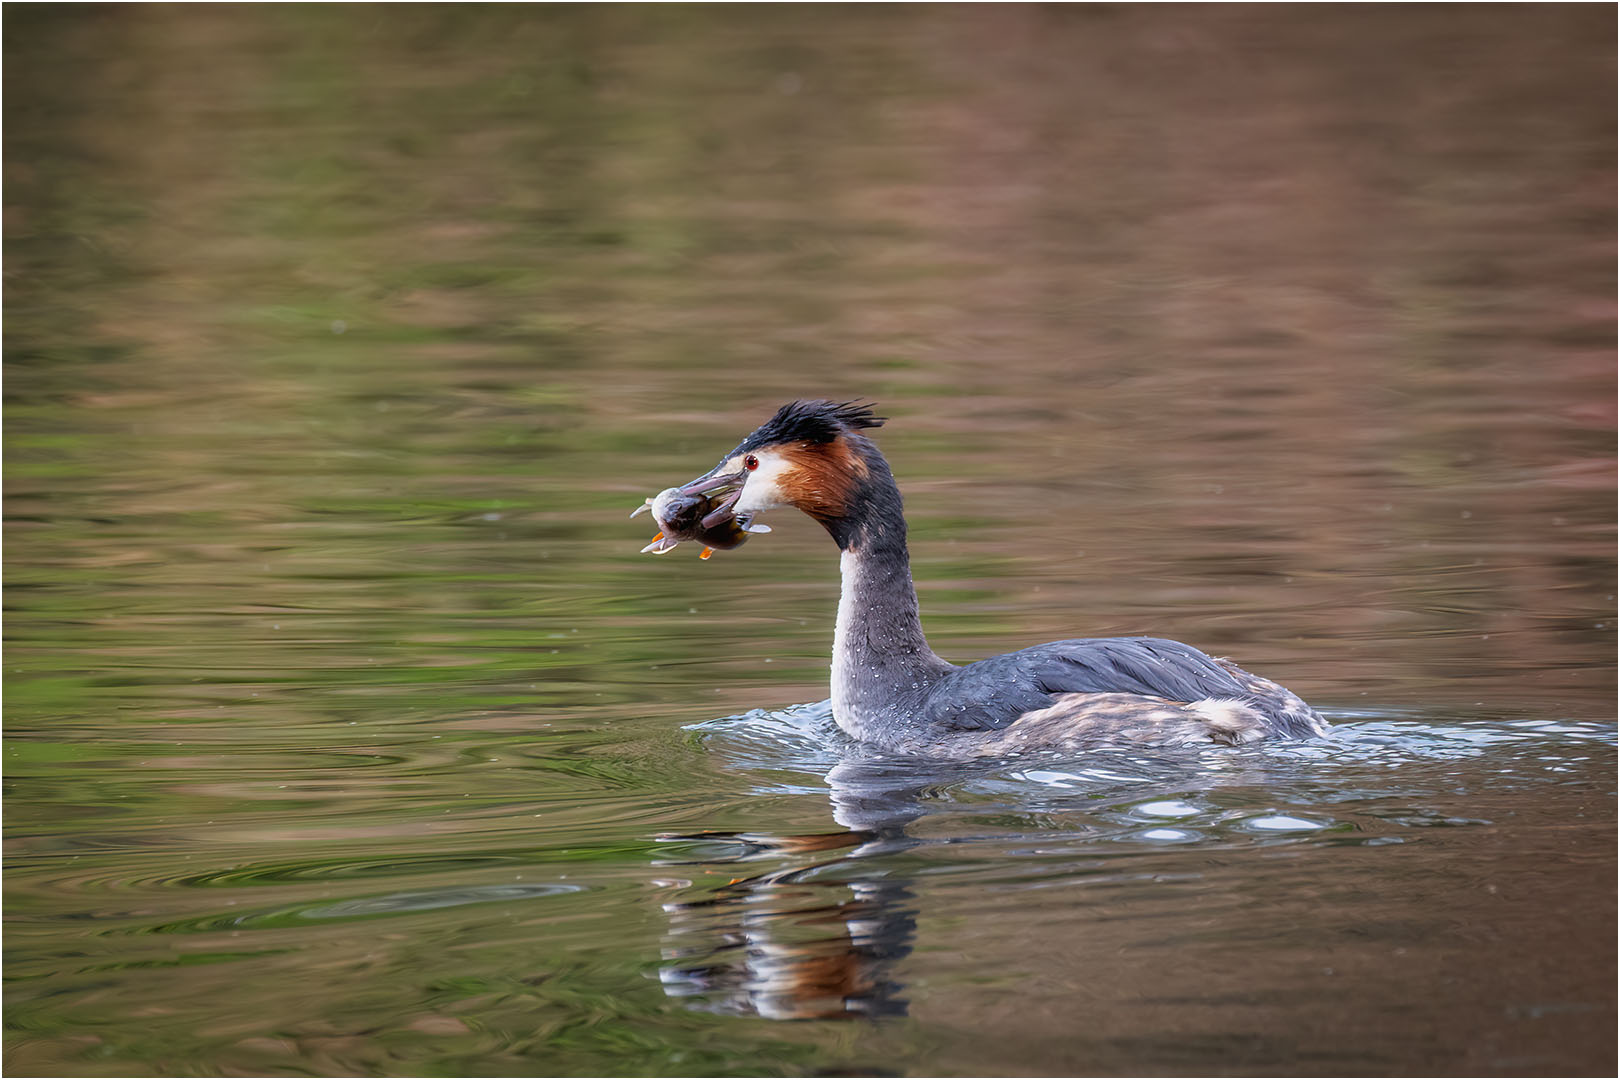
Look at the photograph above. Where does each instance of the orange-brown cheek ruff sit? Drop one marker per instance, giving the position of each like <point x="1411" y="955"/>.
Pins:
<point x="822" y="479"/>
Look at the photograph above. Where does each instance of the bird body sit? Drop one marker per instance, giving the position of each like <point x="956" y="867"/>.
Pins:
<point x="890" y="689"/>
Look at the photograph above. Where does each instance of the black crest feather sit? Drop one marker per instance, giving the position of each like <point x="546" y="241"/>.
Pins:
<point x="813" y="422"/>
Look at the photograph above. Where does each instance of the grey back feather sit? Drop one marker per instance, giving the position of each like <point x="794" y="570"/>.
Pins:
<point x="993" y="693"/>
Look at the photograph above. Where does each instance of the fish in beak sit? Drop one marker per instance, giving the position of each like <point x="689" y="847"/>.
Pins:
<point x="700" y="510"/>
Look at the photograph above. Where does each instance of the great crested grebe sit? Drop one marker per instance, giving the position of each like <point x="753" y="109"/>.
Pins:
<point x="888" y="686"/>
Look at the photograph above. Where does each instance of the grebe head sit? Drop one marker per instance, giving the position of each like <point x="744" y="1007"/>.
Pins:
<point x="811" y="456"/>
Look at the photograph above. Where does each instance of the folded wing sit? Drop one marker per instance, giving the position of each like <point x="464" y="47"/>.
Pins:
<point x="992" y="693"/>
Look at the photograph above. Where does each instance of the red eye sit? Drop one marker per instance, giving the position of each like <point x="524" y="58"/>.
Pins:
<point x="750" y="462"/>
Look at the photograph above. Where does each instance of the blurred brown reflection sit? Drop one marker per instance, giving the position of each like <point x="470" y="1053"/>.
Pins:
<point x="792" y="944"/>
<point x="817" y="939"/>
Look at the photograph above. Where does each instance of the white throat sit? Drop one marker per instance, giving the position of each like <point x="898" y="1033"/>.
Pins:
<point x="843" y="681"/>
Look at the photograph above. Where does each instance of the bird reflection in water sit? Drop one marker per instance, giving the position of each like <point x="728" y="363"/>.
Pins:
<point x="814" y="940"/>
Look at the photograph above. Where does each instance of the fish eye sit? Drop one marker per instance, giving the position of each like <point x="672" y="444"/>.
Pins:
<point x="750" y="462"/>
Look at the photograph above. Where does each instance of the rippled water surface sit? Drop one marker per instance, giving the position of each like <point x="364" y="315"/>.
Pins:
<point x="348" y="734"/>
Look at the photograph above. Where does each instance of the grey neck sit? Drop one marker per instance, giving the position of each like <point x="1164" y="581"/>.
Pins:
<point x="881" y="661"/>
